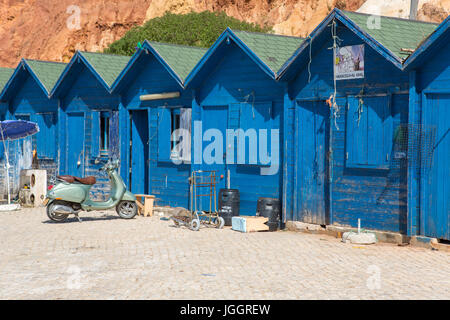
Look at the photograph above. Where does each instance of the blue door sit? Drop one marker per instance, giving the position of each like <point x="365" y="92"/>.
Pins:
<point x="75" y="144"/>
<point x="436" y="184"/>
<point x="312" y="128"/>
<point x="214" y="120"/>
<point x="139" y="149"/>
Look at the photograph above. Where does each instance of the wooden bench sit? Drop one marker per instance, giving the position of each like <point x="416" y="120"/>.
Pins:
<point x="145" y="208"/>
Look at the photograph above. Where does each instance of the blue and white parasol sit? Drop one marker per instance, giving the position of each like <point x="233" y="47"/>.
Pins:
<point x="13" y="130"/>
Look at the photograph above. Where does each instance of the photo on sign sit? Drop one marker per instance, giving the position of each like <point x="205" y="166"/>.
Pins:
<point x="349" y="62"/>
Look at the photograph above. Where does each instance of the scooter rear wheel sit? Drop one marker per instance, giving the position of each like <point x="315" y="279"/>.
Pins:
<point x="54" y="216"/>
<point x="127" y="209"/>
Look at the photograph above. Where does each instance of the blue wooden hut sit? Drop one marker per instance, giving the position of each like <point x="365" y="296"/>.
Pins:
<point x="27" y="98"/>
<point x="348" y="105"/>
<point x="88" y="115"/>
<point x="429" y="193"/>
<point x="235" y="87"/>
<point x="153" y="104"/>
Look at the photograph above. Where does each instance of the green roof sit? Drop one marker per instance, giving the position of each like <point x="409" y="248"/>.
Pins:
<point x="5" y="74"/>
<point x="108" y="66"/>
<point x="273" y="50"/>
<point x="182" y="59"/>
<point x="48" y="72"/>
<point x="395" y="33"/>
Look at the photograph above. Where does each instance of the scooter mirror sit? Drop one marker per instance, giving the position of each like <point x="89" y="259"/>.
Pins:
<point x="115" y="163"/>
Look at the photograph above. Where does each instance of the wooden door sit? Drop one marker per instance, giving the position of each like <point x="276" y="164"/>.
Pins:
<point x="436" y="180"/>
<point x="75" y="144"/>
<point x="139" y="152"/>
<point x="312" y="140"/>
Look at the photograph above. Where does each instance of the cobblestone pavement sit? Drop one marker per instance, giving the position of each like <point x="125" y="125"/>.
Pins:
<point x="105" y="257"/>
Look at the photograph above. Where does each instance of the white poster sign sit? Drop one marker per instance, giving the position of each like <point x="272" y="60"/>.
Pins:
<point x="349" y="62"/>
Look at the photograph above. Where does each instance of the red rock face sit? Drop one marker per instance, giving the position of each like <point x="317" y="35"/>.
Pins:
<point x="54" y="29"/>
<point x="434" y="12"/>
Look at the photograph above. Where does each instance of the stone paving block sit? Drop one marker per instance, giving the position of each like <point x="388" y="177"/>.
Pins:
<point x="104" y="257"/>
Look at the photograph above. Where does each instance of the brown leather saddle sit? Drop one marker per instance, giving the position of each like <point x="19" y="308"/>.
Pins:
<point x="71" y="179"/>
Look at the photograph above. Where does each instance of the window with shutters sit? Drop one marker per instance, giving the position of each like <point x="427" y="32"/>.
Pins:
<point x="249" y="119"/>
<point x="174" y="134"/>
<point x="369" y="132"/>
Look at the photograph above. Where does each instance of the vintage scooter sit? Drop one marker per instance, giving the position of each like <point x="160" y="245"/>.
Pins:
<point x="70" y="195"/>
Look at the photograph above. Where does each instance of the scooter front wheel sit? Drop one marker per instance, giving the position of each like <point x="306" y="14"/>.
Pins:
<point x="127" y="209"/>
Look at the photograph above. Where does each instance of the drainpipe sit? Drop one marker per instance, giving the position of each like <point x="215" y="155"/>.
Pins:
<point x="413" y="10"/>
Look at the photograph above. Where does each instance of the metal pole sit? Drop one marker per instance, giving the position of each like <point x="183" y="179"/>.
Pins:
<point x="413" y="9"/>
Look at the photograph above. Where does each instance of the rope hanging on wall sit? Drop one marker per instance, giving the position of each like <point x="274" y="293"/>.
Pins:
<point x="332" y="100"/>
<point x="310" y="58"/>
<point x="360" y="105"/>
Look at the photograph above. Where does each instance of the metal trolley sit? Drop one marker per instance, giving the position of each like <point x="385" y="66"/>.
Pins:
<point x="202" y="185"/>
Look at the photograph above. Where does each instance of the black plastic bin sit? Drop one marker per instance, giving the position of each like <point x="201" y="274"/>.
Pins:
<point x="229" y="203"/>
<point x="270" y="208"/>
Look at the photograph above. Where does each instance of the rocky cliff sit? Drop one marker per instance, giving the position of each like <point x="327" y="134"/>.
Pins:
<point x="54" y="29"/>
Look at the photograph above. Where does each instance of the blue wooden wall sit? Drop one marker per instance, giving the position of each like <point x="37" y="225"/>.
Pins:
<point x="83" y="100"/>
<point x="336" y="167"/>
<point x="433" y="85"/>
<point x="147" y="124"/>
<point x="236" y="83"/>
<point x="374" y="193"/>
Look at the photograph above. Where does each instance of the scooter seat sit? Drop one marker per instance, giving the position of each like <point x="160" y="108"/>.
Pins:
<point x="90" y="180"/>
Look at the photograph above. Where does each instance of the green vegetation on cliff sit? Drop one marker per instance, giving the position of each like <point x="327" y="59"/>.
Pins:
<point x="192" y="29"/>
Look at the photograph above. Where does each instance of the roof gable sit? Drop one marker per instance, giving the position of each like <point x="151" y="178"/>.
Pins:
<point x="440" y="37"/>
<point x="400" y="36"/>
<point x="105" y="68"/>
<point x="45" y="73"/>
<point x="272" y="49"/>
<point x="178" y="60"/>
<point x="268" y="51"/>
<point x="48" y="72"/>
<point x="108" y="66"/>
<point x="393" y="35"/>
<point x="181" y="59"/>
